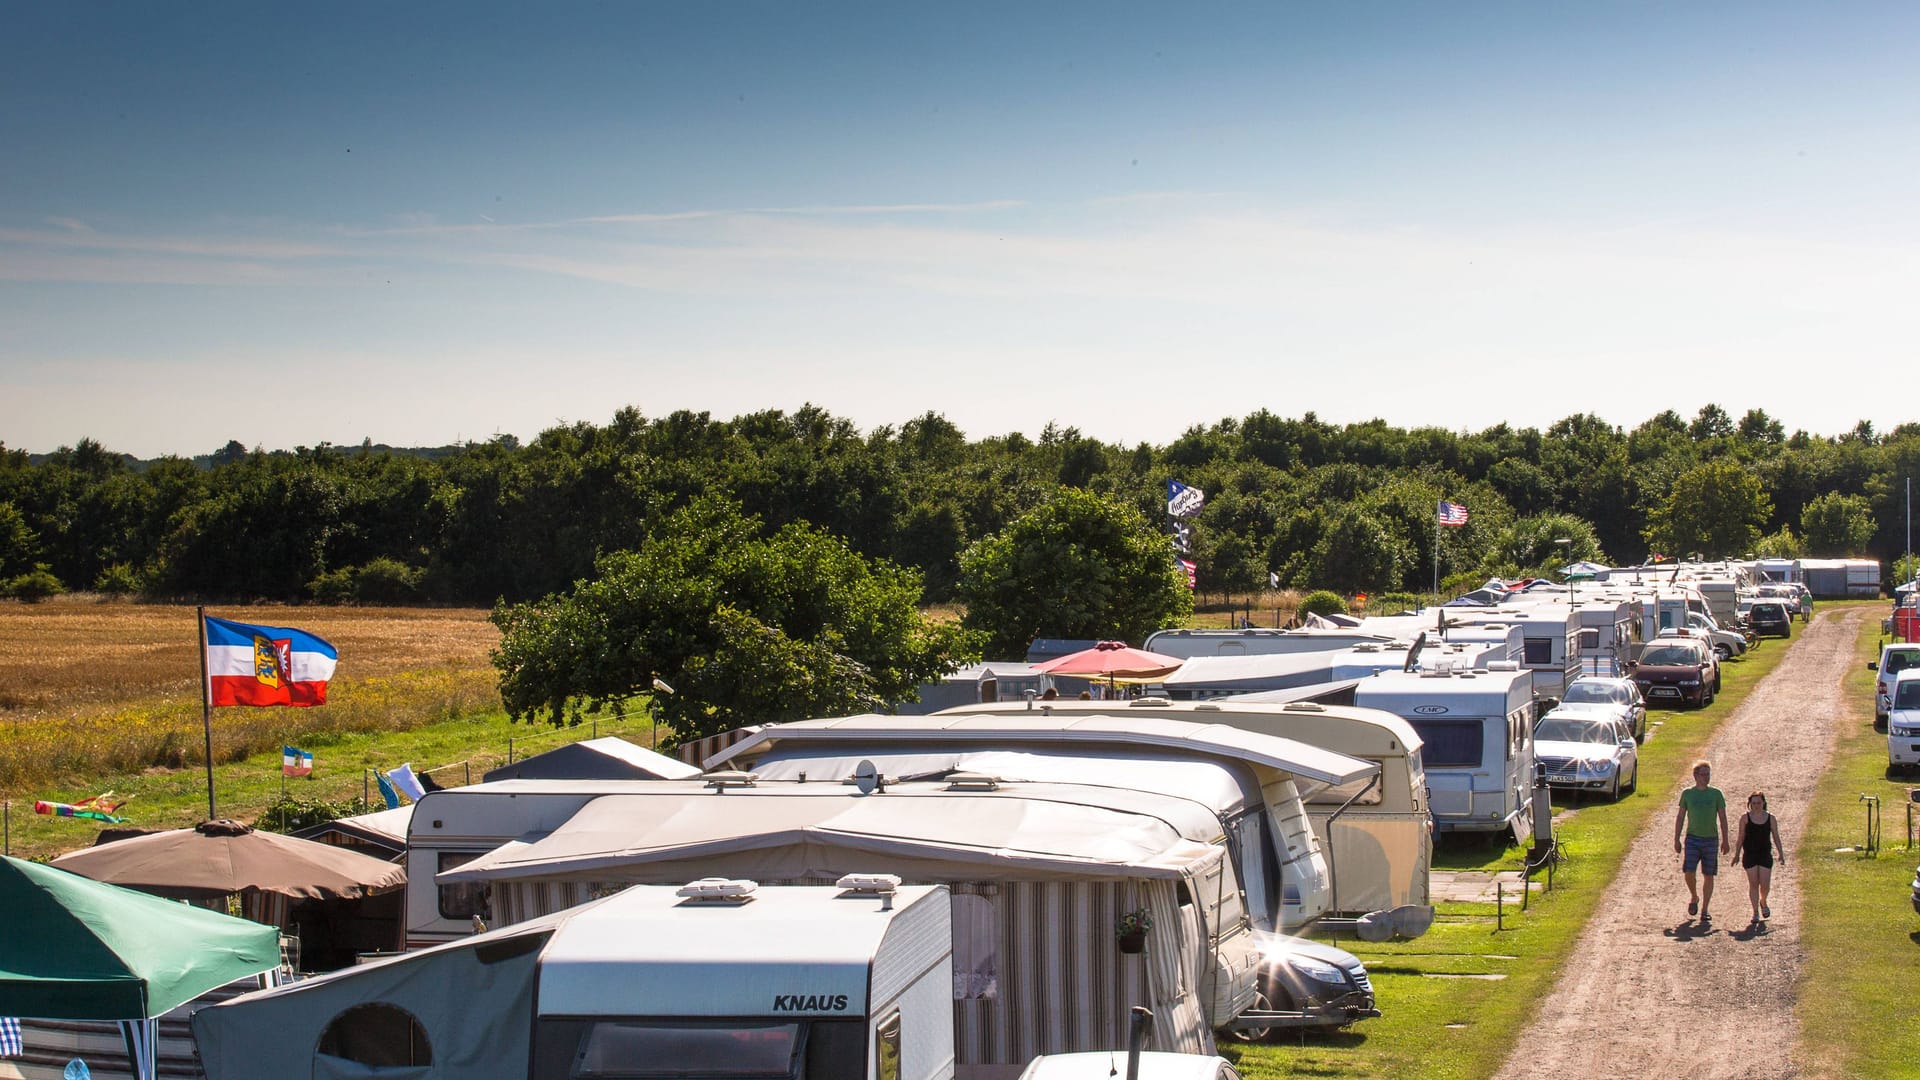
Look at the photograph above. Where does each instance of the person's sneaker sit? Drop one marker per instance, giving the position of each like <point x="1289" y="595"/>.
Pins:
<point x="1693" y="907"/>
<point x="1765" y="912"/>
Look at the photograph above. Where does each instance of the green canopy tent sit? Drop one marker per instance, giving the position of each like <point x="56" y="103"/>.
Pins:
<point x="78" y="949"/>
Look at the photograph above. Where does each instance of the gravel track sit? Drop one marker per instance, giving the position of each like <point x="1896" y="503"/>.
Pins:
<point x="1648" y="991"/>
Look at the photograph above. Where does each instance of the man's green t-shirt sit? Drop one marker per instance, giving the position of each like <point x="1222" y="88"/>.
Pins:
<point x="1703" y="806"/>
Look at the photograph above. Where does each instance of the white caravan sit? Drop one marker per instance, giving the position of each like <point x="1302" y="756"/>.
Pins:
<point x="1377" y="834"/>
<point x="1206" y="677"/>
<point x="1187" y="644"/>
<point x="1200" y="827"/>
<point x="716" y="978"/>
<point x="1476" y="732"/>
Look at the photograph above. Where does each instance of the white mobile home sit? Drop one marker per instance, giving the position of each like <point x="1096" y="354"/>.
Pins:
<point x="717" y="978"/>
<point x="1206" y="677"/>
<point x="1476" y="732"/>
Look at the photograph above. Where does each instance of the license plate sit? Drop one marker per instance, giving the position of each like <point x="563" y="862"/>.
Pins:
<point x="1665" y="691"/>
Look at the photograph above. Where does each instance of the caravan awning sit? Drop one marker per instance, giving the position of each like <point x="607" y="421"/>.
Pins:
<point x="1044" y="830"/>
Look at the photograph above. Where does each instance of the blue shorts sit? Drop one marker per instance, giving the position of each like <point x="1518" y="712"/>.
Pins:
<point x="1703" y="852"/>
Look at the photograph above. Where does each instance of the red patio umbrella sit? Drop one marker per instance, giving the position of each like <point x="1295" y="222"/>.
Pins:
<point x="1112" y="660"/>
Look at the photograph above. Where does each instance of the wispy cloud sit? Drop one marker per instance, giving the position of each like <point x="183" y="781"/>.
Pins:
<point x="70" y="224"/>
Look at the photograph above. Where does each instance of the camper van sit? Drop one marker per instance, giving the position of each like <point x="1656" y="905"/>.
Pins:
<point x="1045" y="831"/>
<point x="714" y="978"/>
<point x="1377" y="835"/>
<point x="1476" y="732"/>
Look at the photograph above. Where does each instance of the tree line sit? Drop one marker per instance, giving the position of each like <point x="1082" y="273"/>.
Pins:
<point x="1348" y="507"/>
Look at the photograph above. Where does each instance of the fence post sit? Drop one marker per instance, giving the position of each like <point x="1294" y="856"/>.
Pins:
<point x="509" y="749"/>
<point x="469" y="764"/>
<point x="1499" y="905"/>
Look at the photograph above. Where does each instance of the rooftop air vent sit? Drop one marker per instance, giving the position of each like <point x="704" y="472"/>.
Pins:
<point x="1503" y="665"/>
<point x="874" y="884"/>
<point x="972" y="781"/>
<point x="718" y="890"/>
<point x="1150" y="702"/>
<point x="726" y="778"/>
<point x="1302" y="706"/>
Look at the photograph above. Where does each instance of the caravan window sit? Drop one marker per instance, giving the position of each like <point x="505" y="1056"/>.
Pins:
<point x="887" y="1049"/>
<point x="1539" y="650"/>
<point x="1589" y="639"/>
<point x="467" y="899"/>
<point x="378" y="1036"/>
<point x="1451" y="742"/>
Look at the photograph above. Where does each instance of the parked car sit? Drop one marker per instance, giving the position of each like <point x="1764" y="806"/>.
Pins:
<point x="1894" y="659"/>
<point x="1770" y="618"/>
<point x="1605" y="690"/>
<point x="1678" y="670"/>
<point x="1726" y="643"/>
<point x="1903" y="722"/>
<point x="1584" y="752"/>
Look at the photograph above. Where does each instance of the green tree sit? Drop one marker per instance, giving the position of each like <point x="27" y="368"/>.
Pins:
<point x="1533" y="545"/>
<point x="747" y="624"/>
<point x="1717" y="509"/>
<point x="1836" y="524"/>
<point x="1078" y="566"/>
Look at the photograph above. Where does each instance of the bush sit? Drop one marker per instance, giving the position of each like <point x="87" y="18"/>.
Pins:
<point x="292" y="812"/>
<point x="34" y="586"/>
<point x="1395" y="602"/>
<point x="1321" y="602"/>
<point x="382" y="581"/>
<point x="118" y="580"/>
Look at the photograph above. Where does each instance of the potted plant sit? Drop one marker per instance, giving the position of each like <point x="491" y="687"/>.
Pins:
<point x="1130" y="930"/>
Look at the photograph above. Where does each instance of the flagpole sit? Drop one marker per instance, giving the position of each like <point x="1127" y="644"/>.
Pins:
<point x="1436" y="554"/>
<point x="206" y="710"/>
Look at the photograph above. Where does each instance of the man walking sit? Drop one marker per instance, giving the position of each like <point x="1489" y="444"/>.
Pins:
<point x="1703" y="814"/>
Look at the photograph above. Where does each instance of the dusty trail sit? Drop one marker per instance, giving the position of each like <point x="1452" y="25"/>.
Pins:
<point x="1648" y="992"/>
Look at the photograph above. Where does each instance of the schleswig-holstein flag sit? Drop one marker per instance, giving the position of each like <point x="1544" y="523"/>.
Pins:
<point x="266" y="665"/>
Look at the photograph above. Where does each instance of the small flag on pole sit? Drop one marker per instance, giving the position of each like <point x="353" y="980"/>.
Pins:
<point x="1184" y="501"/>
<point x="1192" y="571"/>
<point x="11" y="1044"/>
<point x="406" y="782"/>
<point x="98" y="808"/>
<point x="1452" y="513"/>
<point x="295" y="761"/>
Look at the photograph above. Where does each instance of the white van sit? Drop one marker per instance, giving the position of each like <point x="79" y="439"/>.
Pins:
<point x="1894" y="659"/>
<point x="1903" y="721"/>
<point x="1476" y="729"/>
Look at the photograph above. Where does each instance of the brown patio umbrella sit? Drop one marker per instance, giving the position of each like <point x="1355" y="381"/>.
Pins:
<point x="222" y="857"/>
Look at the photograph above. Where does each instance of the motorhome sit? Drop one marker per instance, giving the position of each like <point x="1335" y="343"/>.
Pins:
<point x="1476" y="732"/>
<point x="1377" y="834"/>
<point x="714" y="978"/>
<point x="1046" y="831"/>
<point x="1608" y="632"/>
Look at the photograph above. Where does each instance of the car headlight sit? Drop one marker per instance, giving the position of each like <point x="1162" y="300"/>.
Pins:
<point x="1596" y="768"/>
<point x="1317" y="970"/>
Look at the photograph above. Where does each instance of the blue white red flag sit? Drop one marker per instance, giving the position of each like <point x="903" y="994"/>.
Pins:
<point x="1452" y="513"/>
<point x="295" y="761"/>
<point x="11" y="1044"/>
<point x="266" y="665"/>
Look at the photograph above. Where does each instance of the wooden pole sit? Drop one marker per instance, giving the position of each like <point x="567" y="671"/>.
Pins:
<point x="206" y="709"/>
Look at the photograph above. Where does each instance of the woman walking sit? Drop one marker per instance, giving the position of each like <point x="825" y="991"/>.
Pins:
<point x="1758" y="840"/>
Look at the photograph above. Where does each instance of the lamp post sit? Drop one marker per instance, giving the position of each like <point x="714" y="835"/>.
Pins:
<point x="1565" y="544"/>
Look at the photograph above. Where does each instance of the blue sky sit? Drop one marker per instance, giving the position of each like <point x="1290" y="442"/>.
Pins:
<point x="289" y="224"/>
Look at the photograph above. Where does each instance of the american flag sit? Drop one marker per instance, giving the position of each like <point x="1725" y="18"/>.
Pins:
<point x="11" y="1044"/>
<point x="1452" y="513"/>
<point x="1188" y="568"/>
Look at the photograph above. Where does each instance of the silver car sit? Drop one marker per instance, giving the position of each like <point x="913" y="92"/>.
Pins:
<point x="1584" y="752"/>
<point x="1621" y="692"/>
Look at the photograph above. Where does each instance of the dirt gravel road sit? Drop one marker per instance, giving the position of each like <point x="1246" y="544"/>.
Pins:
<point x="1648" y="991"/>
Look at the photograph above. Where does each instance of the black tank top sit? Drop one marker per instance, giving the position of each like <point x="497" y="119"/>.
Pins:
<point x="1756" y="846"/>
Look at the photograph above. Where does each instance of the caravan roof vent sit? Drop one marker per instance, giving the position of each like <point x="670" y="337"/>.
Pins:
<point x="869" y="884"/>
<point x="719" y="890"/>
<point x="1366" y="646"/>
<point x="726" y="778"/>
<point x="1151" y="701"/>
<point x="1503" y="665"/>
<point x="972" y="781"/>
<point x="1302" y="706"/>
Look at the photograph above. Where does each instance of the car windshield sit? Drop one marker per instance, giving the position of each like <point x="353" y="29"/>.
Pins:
<point x="1554" y="729"/>
<point x="1907" y="696"/>
<point x="1580" y="693"/>
<point x="1669" y="654"/>
<point x="1901" y="660"/>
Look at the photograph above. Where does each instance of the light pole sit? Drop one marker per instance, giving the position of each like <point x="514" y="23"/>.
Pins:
<point x="1565" y="544"/>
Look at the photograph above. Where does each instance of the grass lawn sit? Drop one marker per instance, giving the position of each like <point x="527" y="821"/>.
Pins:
<point x="1861" y="936"/>
<point x="1449" y="1027"/>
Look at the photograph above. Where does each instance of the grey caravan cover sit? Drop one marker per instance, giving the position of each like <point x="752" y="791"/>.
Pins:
<point x="472" y="1000"/>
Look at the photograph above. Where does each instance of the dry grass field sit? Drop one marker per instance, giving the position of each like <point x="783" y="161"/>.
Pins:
<point x="89" y="687"/>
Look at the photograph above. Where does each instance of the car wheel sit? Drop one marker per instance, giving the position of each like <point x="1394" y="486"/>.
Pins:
<point x="1724" y="652"/>
<point x="1254" y="1035"/>
<point x="1633" y="782"/>
<point x="1613" y="793"/>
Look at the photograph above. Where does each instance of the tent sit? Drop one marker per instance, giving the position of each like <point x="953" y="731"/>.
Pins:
<point x="83" y="950"/>
<point x="609" y="758"/>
